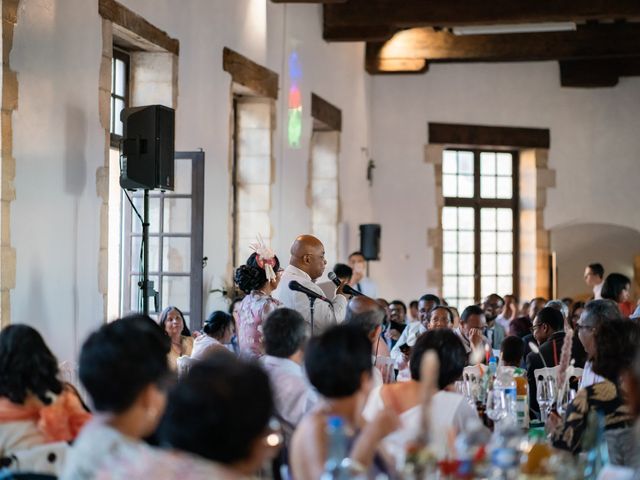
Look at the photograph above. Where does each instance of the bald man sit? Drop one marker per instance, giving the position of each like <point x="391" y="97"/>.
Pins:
<point x="306" y="265"/>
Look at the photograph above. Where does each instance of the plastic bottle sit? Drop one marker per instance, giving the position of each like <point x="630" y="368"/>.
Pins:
<point x="534" y="459"/>
<point x="505" y="382"/>
<point x="522" y="397"/>
<point x="337" y="449"/>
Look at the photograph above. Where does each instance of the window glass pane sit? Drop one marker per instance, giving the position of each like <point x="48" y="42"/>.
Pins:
<point x="465" y="242"/>
<point x="505" y="162"/>
<point x="118" y="106"/>
<point x="505" y="285"/>
<point x="177" y="215"/>
<point x="449" y="163"/>
<point x="465" y="186"/>
<point x="113" y="116"/>
<point x="449" y="185"/>
<point x="465" y="262"/>
<point x="154" y="213"/>
<point x="488" y="187"/>
<point x="505" y="219"/>
<point x="488" y="264"/>
<point x="487" y="242"/>
<point x="488" y="286"/>
<point x="136" y="254"/>
<point x="464" y="303"/>
<point x="488" y="219"/>
<point x="466" y="287"/>
<point x="449" y="264"/>
<point x="465" y="162"/>
<point x="487" y="163"/>
<point x="176" y="291"/>
<point x="449" y="243"/>
<point x="182" y="176"/>
<point x="176" y="254"/>
<point x="505" y="264"/>
<point x="120" y="80"/>
<point x="449" y="218"/>
<point x="449" y="286"/>
<point x="505" y="185"/>
<point x="465" y="218"/>
<point x="505" y="241"/>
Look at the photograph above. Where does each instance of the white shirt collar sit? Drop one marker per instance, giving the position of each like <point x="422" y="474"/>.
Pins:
<point x="283" y="364"/>
<point x="295" y="271"/>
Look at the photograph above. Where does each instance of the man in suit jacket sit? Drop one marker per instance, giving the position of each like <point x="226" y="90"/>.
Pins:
<point x="492" y="307"/>
<point x="548" y="330"/>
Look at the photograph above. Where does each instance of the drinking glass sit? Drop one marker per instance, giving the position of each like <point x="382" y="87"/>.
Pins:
<point x="545" y="394"/>
<point x="565" y="398"/>
<point x="497" y="407"/>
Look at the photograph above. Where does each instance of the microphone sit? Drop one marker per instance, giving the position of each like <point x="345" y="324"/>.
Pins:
<point x="297" y="287"/>
<point x="347" y="288"/>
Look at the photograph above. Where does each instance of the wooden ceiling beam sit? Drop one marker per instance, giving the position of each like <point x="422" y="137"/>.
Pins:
<point x="588" y="42"/>
<point x="598" y="72"/>
<point x="366" y="14"/>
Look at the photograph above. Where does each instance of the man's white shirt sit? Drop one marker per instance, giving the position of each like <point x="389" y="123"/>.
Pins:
<point x="325" y="314"/>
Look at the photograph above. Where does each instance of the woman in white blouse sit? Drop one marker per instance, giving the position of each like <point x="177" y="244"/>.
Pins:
<point x="450" y="410"/>
<point x="217" y="333"/>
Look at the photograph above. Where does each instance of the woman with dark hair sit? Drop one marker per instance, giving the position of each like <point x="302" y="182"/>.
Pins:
<point x="450" y="410"/>
<point x="216" y="426"/>
<point x="616" y="288"/>
<point x="172" y="322"/>
<point x="216" y="334"/>
<point x="616" y="343"/>
<point x="574" y="313"/>
<point x="258" y="278"/>
<point x="35" y="406"/>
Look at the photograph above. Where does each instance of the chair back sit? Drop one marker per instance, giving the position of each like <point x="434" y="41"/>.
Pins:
<point x="547" y="373"/>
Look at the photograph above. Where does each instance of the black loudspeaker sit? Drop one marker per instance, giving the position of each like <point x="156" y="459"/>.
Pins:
<point x="370" y="241"/>
<point x="148" y="148"/>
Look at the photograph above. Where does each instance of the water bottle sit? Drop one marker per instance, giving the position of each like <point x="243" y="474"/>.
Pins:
<point x="337" y="449"/>
<point x="505" y="382"/>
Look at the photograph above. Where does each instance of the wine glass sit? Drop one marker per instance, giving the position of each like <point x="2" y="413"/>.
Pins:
<point x="496" y="405"/>
<point x="545" y="395"/>
<point x="565" y="398"/>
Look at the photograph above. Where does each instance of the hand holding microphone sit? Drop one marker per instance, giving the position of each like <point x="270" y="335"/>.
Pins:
<point x="343" y="287"/>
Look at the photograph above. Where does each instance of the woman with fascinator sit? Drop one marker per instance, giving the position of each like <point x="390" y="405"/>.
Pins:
<point x="257" y="278"/>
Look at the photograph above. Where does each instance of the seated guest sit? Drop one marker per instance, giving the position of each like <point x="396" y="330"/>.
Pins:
<point x="343" y="272"/>
<point x="306" y="265"/>
<point x="397" y="321"/>
<point x="258" y="278"/>
<point x="440" y="317"/>
<point x="338" y="364"/>
<point x="509" y="312"/>
<point x="548" y="332"/>
<point x="172" y="322"/>
<point x="123" y="367"/>
<point x="595" y="312"/>
<point x="359" y="280"/>
<point x="535" y="306"/>
<point x="616" y="347"/>
<point x="35" y="406"/>
<point x="451" y="410"/>
<point x="366" y="314"/>
<point x="217" y="330"/>
<point x="425" y="305"/>
<point x="520" y="327"/>
<point x="492" y="306"/>
<point x="216" y="427"/>
<point x="472" y="326"/>
<point x="285" y="334"/>
<point x="413" y="313"/>
<point x="578" y="354"/>
<point x="574" y="314"/>
<point x="616" y="288"/>
<point x="511" y="352"/>
<point x="456" y="319"/>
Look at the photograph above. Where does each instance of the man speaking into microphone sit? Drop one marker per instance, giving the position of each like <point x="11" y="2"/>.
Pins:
<point x="306" y="265"/>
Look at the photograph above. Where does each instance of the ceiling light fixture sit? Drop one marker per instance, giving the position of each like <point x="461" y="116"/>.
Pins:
<point x="515" y="28"/>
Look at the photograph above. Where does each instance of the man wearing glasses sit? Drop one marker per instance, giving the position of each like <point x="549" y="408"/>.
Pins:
<point x="595" y="312"/>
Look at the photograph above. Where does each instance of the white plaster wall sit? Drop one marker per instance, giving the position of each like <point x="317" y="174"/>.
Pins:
<point x="594" y="150"/>
<point x="59" y="144"/>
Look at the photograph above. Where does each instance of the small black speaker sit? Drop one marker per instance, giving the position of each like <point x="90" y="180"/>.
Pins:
<point x="370" y="241"/>
<point x="148" y="148"/>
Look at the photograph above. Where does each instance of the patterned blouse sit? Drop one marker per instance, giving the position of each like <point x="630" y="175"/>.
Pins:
<point x="254" y="308"/>
<point x="604" y="397"/>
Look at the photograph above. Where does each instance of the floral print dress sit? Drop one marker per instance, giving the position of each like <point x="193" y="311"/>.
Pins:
<point x="254" y="308"/>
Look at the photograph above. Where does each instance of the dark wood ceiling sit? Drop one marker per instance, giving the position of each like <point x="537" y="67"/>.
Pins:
<point x="406" y="36"/>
